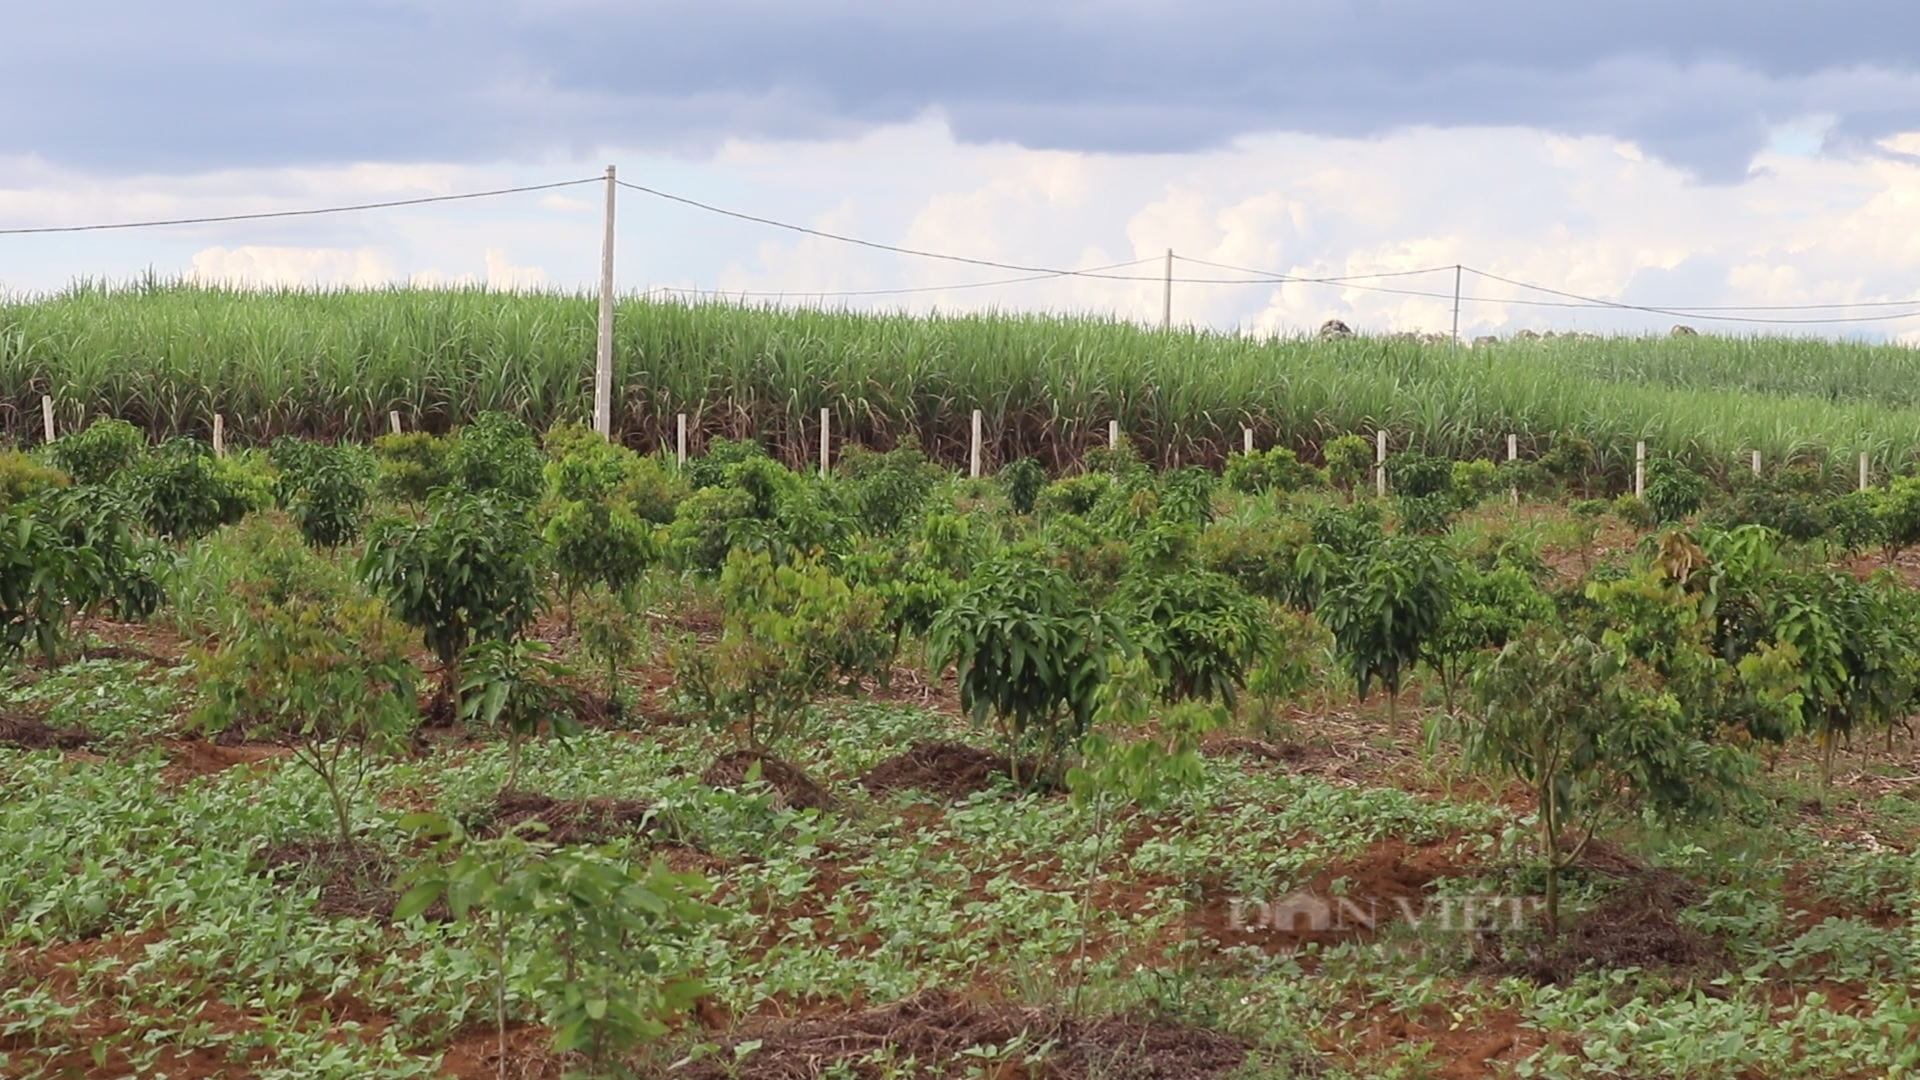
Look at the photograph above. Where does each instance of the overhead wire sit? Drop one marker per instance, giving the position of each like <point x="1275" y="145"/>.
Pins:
<point x="1694" y="313"/>
<point x="834" y="293"/>
<point x="1032" y="273"/>
<point x="312" y="212"/>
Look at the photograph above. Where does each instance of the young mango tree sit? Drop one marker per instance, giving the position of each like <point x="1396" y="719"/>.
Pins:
<point x="470" y="571"/>
<point x="1385" y="612"/>
<point x="1028" y="649"/>
<point x="792" y="632"/>
<point x="328" y="673"/>
<point x="1198" y="631"/>
<point x="1488" y="608"/>
<point x="1595" y="737"/>
<point x="599" y="945"/>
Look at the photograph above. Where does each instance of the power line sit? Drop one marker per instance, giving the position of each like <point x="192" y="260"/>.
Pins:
<point x="1323" y="280"/>
<point x="264" y="215"/>
<point x="1694" y="313"/>
<point x="901" y="291"/>
<point x="1043" y="271"/>
<point x="1578" y="301"/>
<point x="1032" y="273"/>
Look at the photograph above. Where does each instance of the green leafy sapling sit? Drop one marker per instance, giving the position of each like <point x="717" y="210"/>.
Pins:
<point x="469" y="572"/>
<point x="601" y="947"/>
<point x="1386" y="610"/>
<point x="1596" y="738"/>
<point x="1029" y="650"/>
<point x="326" y="672"/>
<point x="516" y="687"/>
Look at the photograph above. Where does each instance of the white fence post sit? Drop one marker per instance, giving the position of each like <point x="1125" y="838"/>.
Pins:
<point x="1380" y="463"/>
<point x="974" y="457"/>
<point x="46" y="415"/>
<point x="1639" y="470"/>
<point x="1113" y="434"/>
<point x="1246" y="440"/>
<point x="393" y="421"/>
<point x="1756" y="463"/>
<point x="1513" y="454"/>
<point x="219" y="435"/>
<point x="1863" y="471"/>
<point x="682" y="440"/>
<point x="825" y="422"/>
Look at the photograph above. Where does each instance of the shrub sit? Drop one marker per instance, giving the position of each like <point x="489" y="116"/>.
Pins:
<point x="515" y="687"/>
<point x="1415" y="475"/>
<point x="1793" y="517"/>
<point x="1262" y="555"/>
<point x="327" y="672"/>
<point x="1896" y="514"/>
<point x="1427" y="514"/>
<point x="184" y="492"/>
<point x="1287" y="668"/>
<point x="594" y="542"/>
<point x="323" y="488"/>
<point x="412" y="465"/>
<point x="584" y="466"/>
<point x="497" y="453"/>
<point x="887" y="490"/>
<point x="1024" y="480"/>
<point x="792" y="632"/>
<point x="1028" y="649"/>
<point x="1349" y="461"/>
<point x="1635" y="512"/>
<point x="1197" y="631"/>
<point x="1592" y="736"/>
<point x="470" y="571"/>
<point x="40" y="576"/>
<point x="1186" y="496"/>
<point x="1852" y="522"/>
<point x="710" y="469"/>
<point x="652" y="490"/>
<point x="1076" y="494"/>
<point x="1386" y="609"/>
<point x="95" y="455"/>
<point x="1571" y="461"/>
<point x="1672" y="491"/>
<point x="22" y="478"/>
<point x="1474" y="482"/>
<point x="1278" y="469"/>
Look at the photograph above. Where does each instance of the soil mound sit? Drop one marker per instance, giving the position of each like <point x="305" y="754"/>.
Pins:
<point x="32" y="733"/>
<point x="791" y="787"/>
<point x="936" y="1030"/>
<point x="1636" y="926"/>
<point x="954" y="770"/>
<point x="355" y="879"/>
<point x="571" y="821"/>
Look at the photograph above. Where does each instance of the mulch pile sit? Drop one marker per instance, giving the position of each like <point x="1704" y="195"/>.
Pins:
<point x="951" y="769"/>
<point x="791" y="787"/>
<point x="935" y="1029"/>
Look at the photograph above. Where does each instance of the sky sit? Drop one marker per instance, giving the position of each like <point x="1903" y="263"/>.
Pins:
<point x="1674" y="154"/>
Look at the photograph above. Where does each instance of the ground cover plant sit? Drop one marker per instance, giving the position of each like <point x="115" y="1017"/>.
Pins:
<point x="512" y="752"/>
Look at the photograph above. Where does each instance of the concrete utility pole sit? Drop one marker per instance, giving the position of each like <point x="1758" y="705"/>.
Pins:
<point x="603" y="356"/>
<point x="1456" y="308"/>
<point x="1166" y="296"/>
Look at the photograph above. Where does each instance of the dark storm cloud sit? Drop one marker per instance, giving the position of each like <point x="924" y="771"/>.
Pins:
<point x="197" y="85"/>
